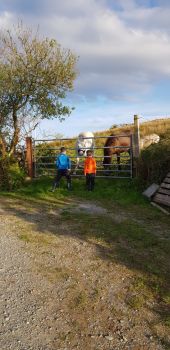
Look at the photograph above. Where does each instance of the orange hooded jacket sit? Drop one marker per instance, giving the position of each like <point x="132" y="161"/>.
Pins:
<point x="89" y="166"/>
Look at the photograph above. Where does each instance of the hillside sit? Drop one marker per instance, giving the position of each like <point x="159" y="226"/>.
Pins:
<point x="158" y="126"/>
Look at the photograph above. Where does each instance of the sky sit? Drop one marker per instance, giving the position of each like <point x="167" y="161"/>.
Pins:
<point x="124" y="57"/>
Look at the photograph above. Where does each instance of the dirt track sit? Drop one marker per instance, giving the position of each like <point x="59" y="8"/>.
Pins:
<point x="58" y="292"/>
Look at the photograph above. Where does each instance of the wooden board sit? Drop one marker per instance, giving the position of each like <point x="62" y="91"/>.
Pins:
<point x="167" y="180"/>
<point x="164" y="185"/>
<point x="162" y="196"/>
<point x="164" y="191"/>
<point x="162" y="199"/>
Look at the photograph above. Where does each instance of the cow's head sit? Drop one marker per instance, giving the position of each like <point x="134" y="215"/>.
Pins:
<point x="85" y="141"/>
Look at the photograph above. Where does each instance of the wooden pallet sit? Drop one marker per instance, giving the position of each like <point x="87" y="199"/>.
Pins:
<point x="162" y="196"/>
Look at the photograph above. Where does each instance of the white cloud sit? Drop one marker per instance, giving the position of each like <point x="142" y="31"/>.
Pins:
<point x="122" y="53"/>
<point x="5" y="19"/>
<point x="151" y="19"/>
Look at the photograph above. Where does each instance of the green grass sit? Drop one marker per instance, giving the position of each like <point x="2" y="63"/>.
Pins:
<point x="24" y="237"/>
<point x="123" y="191"/>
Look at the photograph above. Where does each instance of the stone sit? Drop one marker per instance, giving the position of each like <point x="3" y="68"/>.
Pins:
<point x="109" y="337"/>
<point x="151" y="190"/>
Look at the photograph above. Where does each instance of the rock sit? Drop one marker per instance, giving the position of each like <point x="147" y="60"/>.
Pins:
<point x="150" y="191"/>
<point x="109" y="337"/>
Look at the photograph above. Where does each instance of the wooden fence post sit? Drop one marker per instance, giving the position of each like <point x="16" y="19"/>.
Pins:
<point x="136" y="145"/>
<point x="29" y="157"/>
<point x="136" y="139"/>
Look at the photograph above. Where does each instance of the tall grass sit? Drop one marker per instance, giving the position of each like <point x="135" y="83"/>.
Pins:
<point x="158" y="126"/>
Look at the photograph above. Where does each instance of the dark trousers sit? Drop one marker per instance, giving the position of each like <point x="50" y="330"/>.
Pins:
<point x="59" y="175"/>
<point x="90" y="182"/>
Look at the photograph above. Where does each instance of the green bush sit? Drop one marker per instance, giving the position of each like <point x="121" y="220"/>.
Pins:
<point x="11" y="175"/>
<point x="154" y="162"/>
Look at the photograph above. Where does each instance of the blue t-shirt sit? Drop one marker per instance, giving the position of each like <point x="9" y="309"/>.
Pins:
<point x="63" y="162"/>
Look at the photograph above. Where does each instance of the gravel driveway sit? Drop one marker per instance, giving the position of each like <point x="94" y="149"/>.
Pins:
<point x="57" y="293"/>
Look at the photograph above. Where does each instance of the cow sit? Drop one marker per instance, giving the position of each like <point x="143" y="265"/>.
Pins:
<point x="85" y="141"/>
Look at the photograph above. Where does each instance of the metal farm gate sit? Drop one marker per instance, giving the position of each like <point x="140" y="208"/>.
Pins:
<point x="46" y="151"/>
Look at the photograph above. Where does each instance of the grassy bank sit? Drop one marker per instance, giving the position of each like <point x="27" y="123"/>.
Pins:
<point x="123" y="191"/>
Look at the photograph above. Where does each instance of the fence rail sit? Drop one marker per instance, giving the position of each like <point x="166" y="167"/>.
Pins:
<point x="44" y="155"/>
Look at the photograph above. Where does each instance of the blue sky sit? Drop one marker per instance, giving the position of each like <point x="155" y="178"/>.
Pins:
<point x="124" y="57"/>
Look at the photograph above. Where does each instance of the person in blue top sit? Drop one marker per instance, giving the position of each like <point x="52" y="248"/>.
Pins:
<point x="63" y="165"/>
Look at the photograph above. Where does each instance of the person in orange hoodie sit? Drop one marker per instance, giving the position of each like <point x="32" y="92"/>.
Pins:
<point x="90" y="170"/>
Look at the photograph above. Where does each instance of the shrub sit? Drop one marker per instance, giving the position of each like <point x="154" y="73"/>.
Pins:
<point x="154" y="162"/>
<point x="11" y="175"/>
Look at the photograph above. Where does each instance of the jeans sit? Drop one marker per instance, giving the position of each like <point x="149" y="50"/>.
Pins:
<point x="59" y="175"/>
<point x="90" y="181"/>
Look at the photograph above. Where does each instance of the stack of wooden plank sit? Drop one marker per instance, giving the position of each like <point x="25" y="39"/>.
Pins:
<point x="162" y="196"/>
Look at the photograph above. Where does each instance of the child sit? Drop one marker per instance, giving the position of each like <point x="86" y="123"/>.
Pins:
<point x="90" y="170"/>
<point x="63" y="165"/>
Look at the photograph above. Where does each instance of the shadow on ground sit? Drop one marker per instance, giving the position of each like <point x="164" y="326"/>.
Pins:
<point x="141" y="244"/>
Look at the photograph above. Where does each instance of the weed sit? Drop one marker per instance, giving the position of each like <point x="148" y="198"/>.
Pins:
<point x="167" y="320"/>
<point x="135" y="301"/>
<point x="53" y="273"/>
<point x="24" y="237"/>
<point x="80" y="299"/>
<point x="41" y="239"/>
<point x="95" y="293"/>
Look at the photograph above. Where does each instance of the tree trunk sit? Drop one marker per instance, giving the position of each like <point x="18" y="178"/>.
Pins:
<point x="15" y="137"/>
<point x="2" y="146"/>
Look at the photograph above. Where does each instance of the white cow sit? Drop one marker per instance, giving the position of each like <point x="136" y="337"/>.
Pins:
<point x="84" y="143"/>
